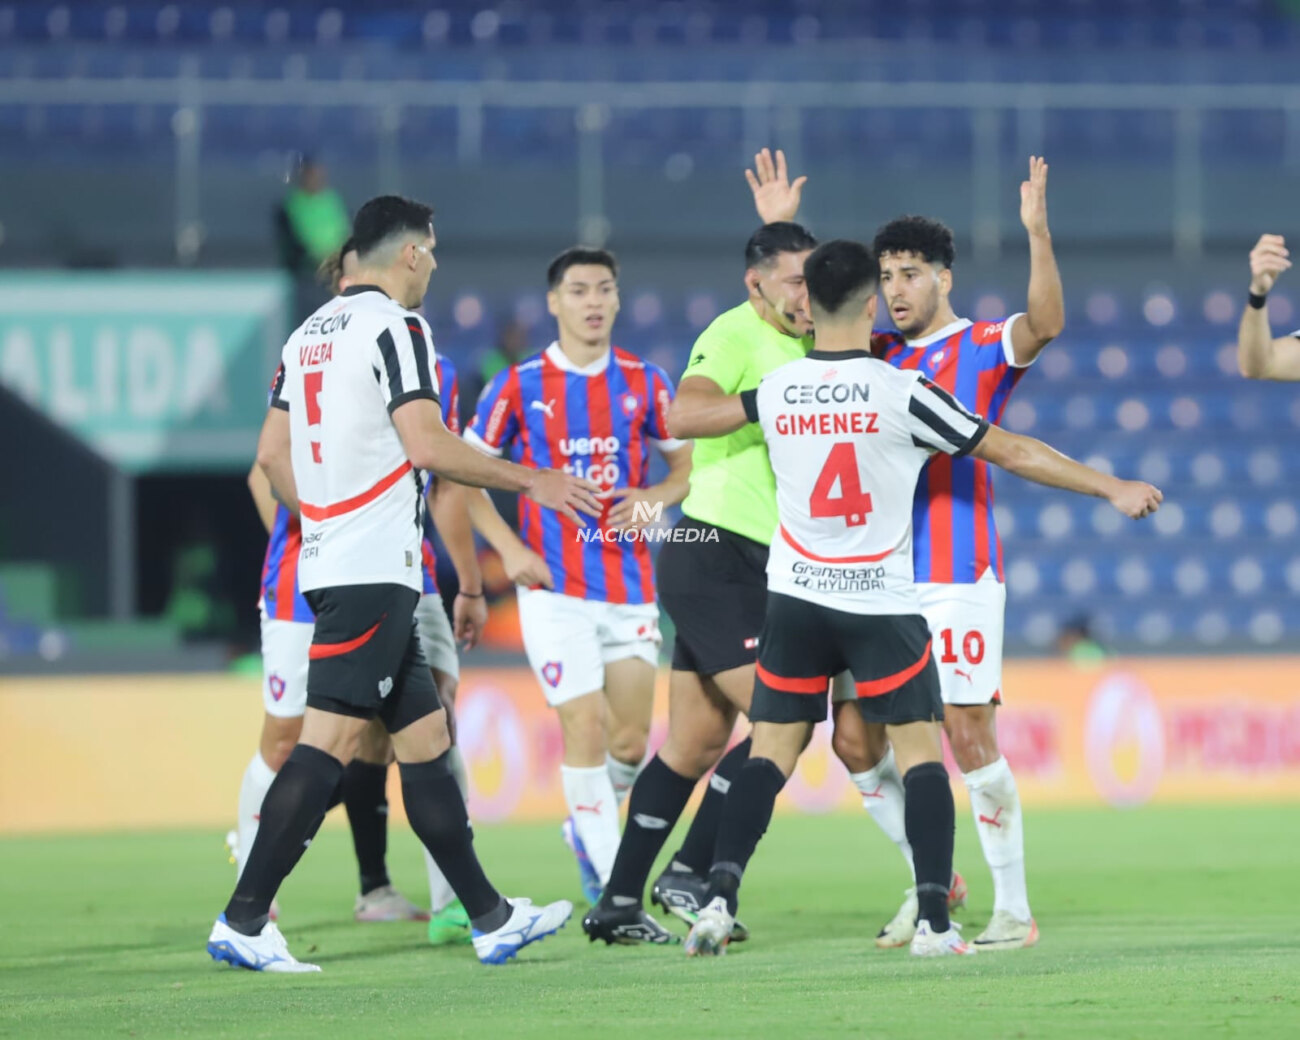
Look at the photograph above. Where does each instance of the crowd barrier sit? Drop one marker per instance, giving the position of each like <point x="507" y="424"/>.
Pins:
<point x="91" y="753"/>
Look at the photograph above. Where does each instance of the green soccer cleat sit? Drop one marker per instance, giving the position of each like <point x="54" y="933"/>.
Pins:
<point x="450" y="926"/>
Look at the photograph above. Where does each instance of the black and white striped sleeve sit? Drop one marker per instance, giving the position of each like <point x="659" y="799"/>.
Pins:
<point x="276" y="398"/>
<point x="939" y="422"/>
<point x="407" y="366"/>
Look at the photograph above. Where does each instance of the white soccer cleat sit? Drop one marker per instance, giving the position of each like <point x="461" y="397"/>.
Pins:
<point x="927" y="943"/>
<point x="1007" y="933"/>
<point x="711" y="931"/>
<point x="266" y="951"/>
<point x="900" y="930"/>
<point x="527" y="924"/>
<point x="387" y="904"/>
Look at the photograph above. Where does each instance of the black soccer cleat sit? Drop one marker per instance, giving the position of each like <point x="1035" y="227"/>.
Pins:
<point x="625" y="925"/>
<point x="683" y="895"/>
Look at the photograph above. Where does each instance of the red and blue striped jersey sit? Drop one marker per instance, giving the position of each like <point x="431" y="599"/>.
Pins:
<point x="598" y="422"/>
<point x="955" y="539"/>
<point x="280" y="593"/>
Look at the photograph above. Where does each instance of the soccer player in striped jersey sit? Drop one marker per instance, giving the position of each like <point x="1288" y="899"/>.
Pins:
<point x="594" y="410"/>
<point x="958" y="555"/>
<point x="287" y="623"/>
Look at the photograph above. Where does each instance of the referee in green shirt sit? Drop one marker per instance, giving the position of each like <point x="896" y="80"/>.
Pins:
<point x="712" y="577"/>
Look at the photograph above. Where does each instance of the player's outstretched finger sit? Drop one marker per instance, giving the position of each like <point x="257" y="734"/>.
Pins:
<point x="752" y="180"/>
<point x="587" y="502"/>
<point x="782" y="172"/>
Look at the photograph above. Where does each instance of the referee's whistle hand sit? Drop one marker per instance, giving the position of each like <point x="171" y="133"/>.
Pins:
<point x="1136" y="498"/>
<point x="566" y="494"/>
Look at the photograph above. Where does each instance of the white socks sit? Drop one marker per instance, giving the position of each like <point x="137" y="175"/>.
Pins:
<point x="594" y="808"/>
<point x="441" y="894"/>
<point x="622" y="776"/>
<point x="252" y="789"/>
<point x="995" y="803"/>
<point x="882" y="796"/>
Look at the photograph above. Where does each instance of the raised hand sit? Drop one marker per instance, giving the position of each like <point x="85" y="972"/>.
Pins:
<point x="1033" y="197"/>
<point x="775" y="197"/>
<point x="1268" y="259"/>
<point x="1136" y="498"/>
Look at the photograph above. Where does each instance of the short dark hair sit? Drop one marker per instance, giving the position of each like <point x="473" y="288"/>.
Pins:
<point x="576" y="255"/>
<point x="840" y="271"/>
<point x="385" y="216"/>
<point x="931" y="240"/>
<point x="771" y="240"/>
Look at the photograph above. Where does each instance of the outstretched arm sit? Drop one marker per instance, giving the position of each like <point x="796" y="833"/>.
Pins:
<point x="668" y="492"/>
<point x="523" y="566"/>
<point x="1045" y="311"/>
<point x="702" y="409"/>
<point x="1259" y="355"/>
<point x="1033" y="460"/>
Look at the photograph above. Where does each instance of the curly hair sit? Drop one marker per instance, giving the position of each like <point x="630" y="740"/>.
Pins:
<point x="929" y="239"/>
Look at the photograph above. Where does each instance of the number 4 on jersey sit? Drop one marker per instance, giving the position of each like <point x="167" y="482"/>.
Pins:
<point x="841" y="469"/>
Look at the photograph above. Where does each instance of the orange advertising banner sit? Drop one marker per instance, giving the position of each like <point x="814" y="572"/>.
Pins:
<point x="156" y="751"/>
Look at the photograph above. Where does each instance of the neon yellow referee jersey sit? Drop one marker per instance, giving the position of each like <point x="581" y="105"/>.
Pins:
<point x="731" y="480"/>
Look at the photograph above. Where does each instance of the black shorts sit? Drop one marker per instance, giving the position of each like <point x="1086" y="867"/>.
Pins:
<point x="713" y="587"/>
<point x="365" y="655"/>
<point x="804" y="645"/>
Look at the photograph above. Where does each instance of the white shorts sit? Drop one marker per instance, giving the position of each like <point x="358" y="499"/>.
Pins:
<point x="966" y="624"/>
<point x="436" y="638"/>
<point x="569" y="640"/>
<point x="285" y="645"/>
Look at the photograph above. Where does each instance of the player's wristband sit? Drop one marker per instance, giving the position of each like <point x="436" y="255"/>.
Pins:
<point x="749" y="398"/>
<point x="1257" y="300"/>
<point x="470" y="595"/>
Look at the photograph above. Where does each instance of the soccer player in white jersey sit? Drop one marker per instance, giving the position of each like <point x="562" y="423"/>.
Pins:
<point x="593" y="641"/>
<point x="1259" y="354"/>
<point x="355" y="426"/>
<point x="847" y="436"/>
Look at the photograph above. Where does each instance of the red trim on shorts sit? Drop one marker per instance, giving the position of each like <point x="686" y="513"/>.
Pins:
<point x="319" y="513"/>
<point x="319" y="650"/>
<point x="879" y="687"/>
<point x="817" y="684"/>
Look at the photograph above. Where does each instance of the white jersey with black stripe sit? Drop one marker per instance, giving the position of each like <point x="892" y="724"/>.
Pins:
<point x="848" y="435"/>
<point x="341" y="375"/>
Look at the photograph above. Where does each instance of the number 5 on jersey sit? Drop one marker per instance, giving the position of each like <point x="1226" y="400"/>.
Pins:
<point x="840" y="470"/>
<point x="312" y="382"/>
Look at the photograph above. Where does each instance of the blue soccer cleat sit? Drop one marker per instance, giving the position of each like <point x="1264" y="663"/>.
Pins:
<point x="527" y="924"/>
<point x="266" y="951"/>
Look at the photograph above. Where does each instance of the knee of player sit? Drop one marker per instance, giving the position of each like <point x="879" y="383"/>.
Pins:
<point x="628" y="745"/>
<point x="973" y="745"/>
<point x="279" y="737"/>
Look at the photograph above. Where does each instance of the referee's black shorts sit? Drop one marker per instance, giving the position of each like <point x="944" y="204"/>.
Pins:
<point x="713" y="584"/>
<point x="365" y="657"/>
<point x="805" y="645"/>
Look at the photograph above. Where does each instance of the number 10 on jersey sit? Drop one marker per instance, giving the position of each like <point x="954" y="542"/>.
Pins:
<point x="840" y="470"/>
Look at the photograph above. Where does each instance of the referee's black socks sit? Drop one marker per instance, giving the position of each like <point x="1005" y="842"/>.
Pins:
<point x="366" y="796"/>
<point x="292" y="811"/>
<point x="929" y="820"/>
<point x="657" y="800"/>
<point x="436" y="809"/>
<point x="744" y="822"/>
<point x="696" y="853"/>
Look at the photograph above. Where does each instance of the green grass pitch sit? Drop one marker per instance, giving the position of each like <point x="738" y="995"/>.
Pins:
<point x="1177" y="922"/>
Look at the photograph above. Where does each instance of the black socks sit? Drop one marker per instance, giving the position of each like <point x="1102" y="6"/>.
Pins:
<point x="292" y="812"/>
<point x="929" y="819"/>
<point x="436" y="809"/>
<point x="657" y="800"/>
<point x="749" y="811"/>
<point x="696" y="853"/>
<point x="364" y="794"/>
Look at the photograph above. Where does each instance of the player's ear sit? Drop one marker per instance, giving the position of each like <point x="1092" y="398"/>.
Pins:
<point x="552" y="303"/>
<point x="751" y="282"/>
<point x="945" y="280"/>
<point x="871" y="307"/>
